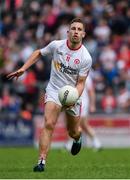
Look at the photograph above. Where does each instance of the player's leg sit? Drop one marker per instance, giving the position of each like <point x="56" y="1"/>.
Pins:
<point x="85" y="124"/>
<point x="86" y="127"/>
<point x="74" y="130"/>
<point x="73" y="126"/>
<point x="90" y="132"/>
<point x="51" y="114"/>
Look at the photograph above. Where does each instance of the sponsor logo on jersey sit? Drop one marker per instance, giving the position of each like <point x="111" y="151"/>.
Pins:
<point x="65" y="69"/>
<point x="57" y="66"/>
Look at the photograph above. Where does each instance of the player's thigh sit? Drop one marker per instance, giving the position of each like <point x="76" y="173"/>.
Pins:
<point x="51" y="113"/>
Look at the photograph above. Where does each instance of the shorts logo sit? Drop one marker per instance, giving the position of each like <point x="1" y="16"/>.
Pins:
<point x="76" y="61"/>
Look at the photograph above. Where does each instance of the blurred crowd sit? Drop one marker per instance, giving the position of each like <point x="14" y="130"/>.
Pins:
<point x="28" y="25"/>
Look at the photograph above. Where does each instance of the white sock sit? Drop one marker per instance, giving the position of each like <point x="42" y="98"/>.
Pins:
<point x="68" y="144"/>
<point x="41" y="161"/>
<point x="96" y="142"/>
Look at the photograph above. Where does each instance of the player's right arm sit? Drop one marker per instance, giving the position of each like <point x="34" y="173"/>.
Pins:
<point x="31" y="60"/>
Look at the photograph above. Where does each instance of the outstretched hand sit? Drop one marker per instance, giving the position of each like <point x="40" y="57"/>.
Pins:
<point x="15" y="74"/>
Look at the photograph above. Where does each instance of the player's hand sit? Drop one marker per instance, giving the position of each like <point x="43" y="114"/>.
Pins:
<point x="68" y="107"/>
<point x="16" y="74"/>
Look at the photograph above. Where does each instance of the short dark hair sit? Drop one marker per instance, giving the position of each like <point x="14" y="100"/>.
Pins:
<point x="79" y="20"/>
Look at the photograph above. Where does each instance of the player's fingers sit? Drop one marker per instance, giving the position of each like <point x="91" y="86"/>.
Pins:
<point x="14" y="74"/>
<point x="68" y="107"/>
<point x="17" y="78"/>
<point x="11" y="75"/>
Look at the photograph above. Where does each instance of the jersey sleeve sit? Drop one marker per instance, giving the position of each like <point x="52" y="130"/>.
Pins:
<point x="85" y="66"/>
<point x="49" y="49"/>
<point x="89" y="83"/>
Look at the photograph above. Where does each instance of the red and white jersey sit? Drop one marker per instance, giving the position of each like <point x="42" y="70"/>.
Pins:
<point x="67" y="64"/>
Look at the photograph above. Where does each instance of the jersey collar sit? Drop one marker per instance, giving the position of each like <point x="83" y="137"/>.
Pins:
<point x="73" y="49"/>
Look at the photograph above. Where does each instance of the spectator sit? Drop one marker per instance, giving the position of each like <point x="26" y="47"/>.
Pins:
<point x="102" y="31"/>
<point x="25" y="26"/>
<point x="108" y="101"/>
<point x="123" y="98"/>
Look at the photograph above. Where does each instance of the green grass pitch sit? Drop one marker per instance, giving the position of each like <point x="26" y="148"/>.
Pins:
<point x="17" y="163"/>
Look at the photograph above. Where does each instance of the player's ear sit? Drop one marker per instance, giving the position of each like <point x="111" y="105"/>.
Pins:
<point x="84" y="33"/>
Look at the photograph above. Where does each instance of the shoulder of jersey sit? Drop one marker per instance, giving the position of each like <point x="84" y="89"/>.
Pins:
<point x="60" y="41"/>
<point x="85" y="50"/>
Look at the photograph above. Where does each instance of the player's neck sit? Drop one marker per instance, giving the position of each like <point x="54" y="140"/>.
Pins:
<point x="74" y="46"/>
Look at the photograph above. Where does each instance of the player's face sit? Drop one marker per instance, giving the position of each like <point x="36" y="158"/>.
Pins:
<point x="76" y="32"/>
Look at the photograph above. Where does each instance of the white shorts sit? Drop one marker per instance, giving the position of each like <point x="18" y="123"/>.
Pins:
<point x="52" y="96"/>
<point x="84" y="108"/>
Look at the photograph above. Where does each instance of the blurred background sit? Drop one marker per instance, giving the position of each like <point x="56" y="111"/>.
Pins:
<point x="28" y="25"/>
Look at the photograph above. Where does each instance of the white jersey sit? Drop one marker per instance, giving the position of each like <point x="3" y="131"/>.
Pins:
<point x="67" y="64"/>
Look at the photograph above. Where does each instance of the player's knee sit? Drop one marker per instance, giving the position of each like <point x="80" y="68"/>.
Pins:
<point x="49" y="125"/>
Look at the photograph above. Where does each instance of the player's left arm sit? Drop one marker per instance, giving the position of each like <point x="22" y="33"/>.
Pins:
<point x="83" y="73"/>
<point x="80" y="84"/>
